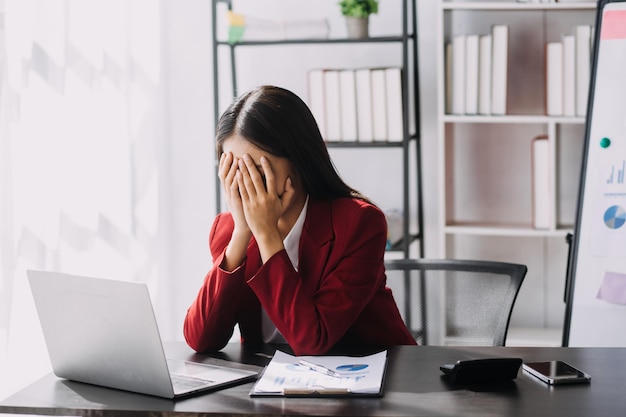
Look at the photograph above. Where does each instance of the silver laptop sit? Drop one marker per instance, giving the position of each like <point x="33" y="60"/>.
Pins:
<point x="104" y="332"/>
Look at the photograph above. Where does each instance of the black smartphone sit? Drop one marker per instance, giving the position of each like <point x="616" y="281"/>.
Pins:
<point x="556" y="372"/>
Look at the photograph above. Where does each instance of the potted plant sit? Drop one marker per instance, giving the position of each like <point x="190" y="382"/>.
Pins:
<point x="357" y="14"/>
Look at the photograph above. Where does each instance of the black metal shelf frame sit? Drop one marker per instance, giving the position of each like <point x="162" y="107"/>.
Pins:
<point x="408" y="40"/>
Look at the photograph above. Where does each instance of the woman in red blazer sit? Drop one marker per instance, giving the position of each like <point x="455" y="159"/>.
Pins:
<point x="299" y="257"/>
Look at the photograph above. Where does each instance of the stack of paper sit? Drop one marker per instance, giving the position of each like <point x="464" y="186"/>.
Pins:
<point x="286" y="375"/>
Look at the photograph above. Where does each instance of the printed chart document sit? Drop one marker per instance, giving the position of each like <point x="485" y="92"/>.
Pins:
<point x="288" y="375"/>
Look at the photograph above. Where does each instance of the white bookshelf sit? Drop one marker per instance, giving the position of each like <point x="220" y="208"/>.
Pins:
<point x="485" y="187"/>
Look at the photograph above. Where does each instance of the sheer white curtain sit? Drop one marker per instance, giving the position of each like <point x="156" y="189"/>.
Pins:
<point x="83" y="157"/>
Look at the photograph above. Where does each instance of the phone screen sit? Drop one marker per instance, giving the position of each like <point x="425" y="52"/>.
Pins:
<point x="556" y="372"/>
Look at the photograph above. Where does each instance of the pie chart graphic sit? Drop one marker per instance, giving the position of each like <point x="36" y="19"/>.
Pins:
<point x="614" y="217"/>
<point x="352" y="367"/>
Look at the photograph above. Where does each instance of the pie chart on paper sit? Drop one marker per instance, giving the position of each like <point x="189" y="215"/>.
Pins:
<point x="352" y="368"/>
<point x="615" y="217"/>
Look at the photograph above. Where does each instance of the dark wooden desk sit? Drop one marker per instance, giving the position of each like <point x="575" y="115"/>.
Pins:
<point x="414" y="387"/>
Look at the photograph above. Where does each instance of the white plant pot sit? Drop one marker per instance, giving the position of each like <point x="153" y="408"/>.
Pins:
<point x="358" y="27"/>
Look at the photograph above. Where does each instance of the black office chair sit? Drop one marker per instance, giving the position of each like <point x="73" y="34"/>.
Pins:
<point x="455" y="302"/>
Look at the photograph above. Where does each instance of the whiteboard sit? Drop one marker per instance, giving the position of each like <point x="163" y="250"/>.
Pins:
<point x="596" y="289"/>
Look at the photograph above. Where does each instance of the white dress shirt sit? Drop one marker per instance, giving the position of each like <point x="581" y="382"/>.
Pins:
<point x="292" y="246"/>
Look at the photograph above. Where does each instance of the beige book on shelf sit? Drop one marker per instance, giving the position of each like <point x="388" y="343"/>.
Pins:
<point x="458" y="74"/>
<point x="541" y="196"/>
<point x="583" y="67"/>
<point x="347" y="85"/>
<point x="379" y="104"/>
<point x="315" y="81"/>
<point x="364" y="105"/>
<point x="332" y="101"/>
<point x="499" y="69"/>
<point x="448" y="79"/>
<point x="569" y="75"/>
<point x="554" y="79"/>
<point x="393" y="89"/>
<point x="471" y="74"/>
<point x="484" y="75"/>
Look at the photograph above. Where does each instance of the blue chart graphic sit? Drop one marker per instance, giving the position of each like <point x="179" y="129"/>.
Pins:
<point x="620" y="174"/>
<point x="341" y="368"/>
<point x="297" y="367"/>
<point x="615" y="217"/>
<point x="356" y="371"/>
<point x="351" y="368"/>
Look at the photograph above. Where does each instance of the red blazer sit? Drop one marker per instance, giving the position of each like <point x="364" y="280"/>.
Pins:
<point x="337" y="297"/>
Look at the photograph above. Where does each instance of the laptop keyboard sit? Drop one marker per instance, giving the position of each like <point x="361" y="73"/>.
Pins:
<point x="185" y="383"/>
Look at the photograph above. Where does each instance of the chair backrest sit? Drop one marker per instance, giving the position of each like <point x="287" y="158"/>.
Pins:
<point x="455" y="302"/>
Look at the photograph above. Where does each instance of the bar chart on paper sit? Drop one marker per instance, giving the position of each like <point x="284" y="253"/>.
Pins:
<point x="616" y="175"/>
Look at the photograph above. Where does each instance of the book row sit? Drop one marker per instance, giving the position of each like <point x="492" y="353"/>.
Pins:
<point x="476" y="73"/>
<point x="568" y="67"/>
<point x="357" y="105"/>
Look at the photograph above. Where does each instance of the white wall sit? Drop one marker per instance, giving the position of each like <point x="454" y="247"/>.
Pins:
<point x="85" y="185"/>
<point x="188" y="63"/>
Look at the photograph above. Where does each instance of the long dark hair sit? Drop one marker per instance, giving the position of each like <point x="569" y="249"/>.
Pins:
<point x="279" y="122"/>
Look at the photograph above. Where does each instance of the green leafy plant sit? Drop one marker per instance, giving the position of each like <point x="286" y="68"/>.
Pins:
<point x="358" y="8"/>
